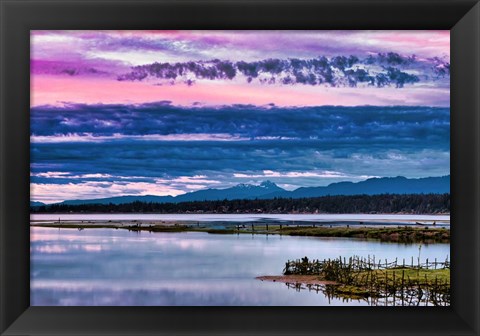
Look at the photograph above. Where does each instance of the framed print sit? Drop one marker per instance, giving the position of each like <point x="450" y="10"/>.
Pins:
<point x="156" y="176"/>
<point x="240" y="168"/>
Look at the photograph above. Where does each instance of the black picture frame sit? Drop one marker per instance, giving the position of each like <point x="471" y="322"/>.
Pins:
<point x="18" y="17"/>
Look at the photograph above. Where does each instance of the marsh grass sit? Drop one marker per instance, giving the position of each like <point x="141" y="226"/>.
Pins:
<point x="427" y="282"/>
<point x="391" y="234"/>
<point x="399" y="234"/>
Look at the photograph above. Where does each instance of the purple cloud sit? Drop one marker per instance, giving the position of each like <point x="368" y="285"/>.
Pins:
<point x="382" y="69"/>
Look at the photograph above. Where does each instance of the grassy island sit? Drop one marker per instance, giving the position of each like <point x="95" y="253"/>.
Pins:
<point x="357" y="277"/>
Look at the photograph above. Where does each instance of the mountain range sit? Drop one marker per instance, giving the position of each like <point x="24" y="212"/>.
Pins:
<point x="268" y="190"/>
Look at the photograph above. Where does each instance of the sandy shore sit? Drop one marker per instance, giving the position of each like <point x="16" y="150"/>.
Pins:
<point x="303" y="279"/>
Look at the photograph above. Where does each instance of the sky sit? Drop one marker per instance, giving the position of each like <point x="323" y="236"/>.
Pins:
<point x="168" y="112"/>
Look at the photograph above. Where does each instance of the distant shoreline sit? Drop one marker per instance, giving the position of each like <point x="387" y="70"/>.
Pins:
<point x="299" y="214"/>
<point x="330" y="204"/>
<point x="248" y="219"/>
<point x="392" y="232"/>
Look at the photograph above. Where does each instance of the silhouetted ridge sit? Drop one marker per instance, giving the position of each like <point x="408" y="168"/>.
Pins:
<point x="269" y="190"/>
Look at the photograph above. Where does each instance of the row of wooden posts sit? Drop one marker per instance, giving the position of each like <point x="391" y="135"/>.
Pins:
<point x="313" y="225"/>
<point x="391" y="282"/>
<point x="316" y="267"/>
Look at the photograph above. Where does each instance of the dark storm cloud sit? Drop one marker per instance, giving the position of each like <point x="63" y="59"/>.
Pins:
<point x="186" y="159"/>
<point x="326" y="124"/>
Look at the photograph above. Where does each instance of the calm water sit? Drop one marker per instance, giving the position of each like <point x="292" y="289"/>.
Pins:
<point x="244" y="217"/>
<point x="120" y="267"/>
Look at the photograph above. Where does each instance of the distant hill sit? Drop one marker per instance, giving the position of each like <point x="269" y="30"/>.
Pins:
<point x="240" y="191"/>
<point x="35" y="204"/>
<point x="123" y="200"/>
<point x="268" y="190"/>
<point x="375" y="186"/>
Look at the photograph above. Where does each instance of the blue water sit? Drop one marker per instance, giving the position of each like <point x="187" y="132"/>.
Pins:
<point x="97" y="267"/>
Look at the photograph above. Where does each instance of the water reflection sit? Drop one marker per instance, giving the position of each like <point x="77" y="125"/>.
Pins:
<point x="410" y="297"/>
<point x="118" y="267"/>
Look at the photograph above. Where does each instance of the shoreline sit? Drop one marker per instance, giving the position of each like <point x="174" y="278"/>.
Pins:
<point x="251" y="218"/>
<point x="302" y="279"/>
<point x="436" y="281"/>
<point x="399" y="233"/>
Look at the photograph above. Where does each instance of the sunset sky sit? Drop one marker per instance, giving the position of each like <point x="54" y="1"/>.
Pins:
<point x="167" y="112"/>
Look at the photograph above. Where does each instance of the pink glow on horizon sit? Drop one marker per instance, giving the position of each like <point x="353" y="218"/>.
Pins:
<point x="55" y="90"/>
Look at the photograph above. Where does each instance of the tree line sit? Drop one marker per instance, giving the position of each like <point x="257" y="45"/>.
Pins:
<point x="385" y="203"/>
